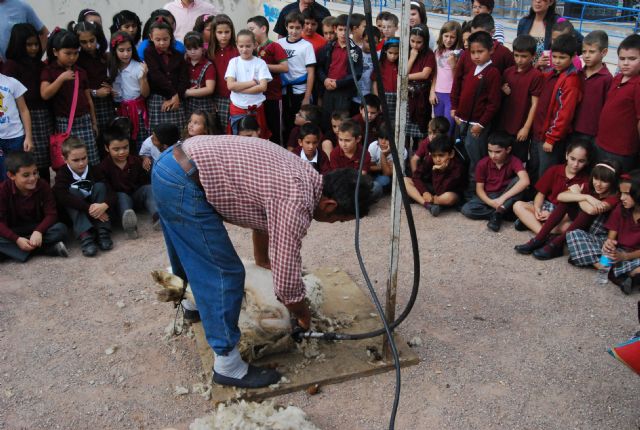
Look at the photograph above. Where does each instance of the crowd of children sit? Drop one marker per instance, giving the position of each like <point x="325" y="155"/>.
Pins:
<point x="549" y="139"/>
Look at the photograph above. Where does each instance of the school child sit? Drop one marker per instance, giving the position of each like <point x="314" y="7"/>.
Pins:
<point x="621" y="243"/>
<point x="438" y="126"/>
<point x="93" y="60"/>
<point x="168" y="77"/>
<point x="357" y="26"/>
<point x="560" y="27"/>
<point x="124" y="174"/>
<point x="310" y="31"/>
<point x="297" y="83"/>
<point x="561" y="93"/>
<point x="558" y="178"/>
<point x="501" y="57"/>
<point x="129" y="22"/>
<point x="365" y="84"/>
<point x="388" y="27"/>
<point x="200" y="124"/>
<point x="466" y="32"/>
<point x="90" y="15"/>
<point x="330" y="139"/>
<point x="372" y="105"/>
<point x="222" y="48"/>
<point x="618" y="135"/>
<point x="162" y="137"/>
<point x="596" y="81"/>
<point x="421" y="66"/>
<point x="24" y="63"/>
<point x="381" y="168"/>
<point x="15" y="121"/>
<point x="82" y="192"/>
<point x="202" y="75"/>
<point x="307" y="114"/>
<point x="334" y="72"/>
<point x="448" y="49"/>
<point x="500" y="181"/>
<point x="329" y="28"/>
<point x="156" y="15"/>
<point x="440" y="178"/>
<point x="349" y="149"/>
<point x="130" y="86"/>
<point x="247" y="77"/>
<point x="276" y="58"/>
<point x="248" y="126"/>
<point x="389" y="73"/>
<point x="475" y="100"/>
<point x="521" y="87"/>
<point x="578" y="208"/>
<point x="486" y="6"/>
<point x="308" y="140"/>
<point x="204" y="25"/>
<point x="57" y="83"/>
<point x="28" y="214"/>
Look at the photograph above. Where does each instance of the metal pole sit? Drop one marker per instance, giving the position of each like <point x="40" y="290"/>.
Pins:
<point x="396" y="198"/>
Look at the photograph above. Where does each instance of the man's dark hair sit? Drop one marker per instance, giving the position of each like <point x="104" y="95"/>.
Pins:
<point x="483" y="38"/>
<point x="630" y="42"/>
<point x="341" y="20"/>
<point x="525" y="43"/>
<point x="442" y="143"/>
<point x="294" y="17"/>
<point x="501" y="139"/>
<point x="371" y="100"/>
<point x="483" y="21"/>
<point x="113" y="133"/>
<point x="356" y="20"/>
<point x="307" y="129"/>
<point x="566" y="44"/>
<point x="340" y="185"/>
<point x="260" y="21"/>
<point x="168" y="134"/>
<point x="15" y="160"/>
<point x="439" y="125"/>
<point x="312" y="113"/>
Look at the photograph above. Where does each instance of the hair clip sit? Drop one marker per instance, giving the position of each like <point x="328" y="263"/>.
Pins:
<point x="561" y="19"/>
<point x="205" y="17"/>
<point x="415" y="3"/>
<point x="160" y="18"/>
<point x="625" y="176"/>
<point x="116" y="40"/>
<point x="391" y="41"/>
<point x="90" y="12"/>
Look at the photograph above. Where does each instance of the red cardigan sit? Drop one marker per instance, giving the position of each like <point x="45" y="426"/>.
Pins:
<point x="567" y="93"/>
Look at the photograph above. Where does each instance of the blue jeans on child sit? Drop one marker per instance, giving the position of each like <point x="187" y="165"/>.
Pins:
<point x="54" y="234"/>
<point x="7" y="146"/>
<point x="200" y="251"/>
<point x="142" y="197"/>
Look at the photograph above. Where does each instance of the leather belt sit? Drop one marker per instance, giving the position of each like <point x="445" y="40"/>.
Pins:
<point x="187" y="165"/>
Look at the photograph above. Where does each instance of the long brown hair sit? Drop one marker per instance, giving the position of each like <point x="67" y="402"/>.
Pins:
<point x="221" y="19"/>
<point x="446" y="28"/>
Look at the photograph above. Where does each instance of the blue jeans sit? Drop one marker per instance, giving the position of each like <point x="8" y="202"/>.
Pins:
<point x="142" y="197"/>
<point x="7" y="146"/>
<point x="200" y="251"/>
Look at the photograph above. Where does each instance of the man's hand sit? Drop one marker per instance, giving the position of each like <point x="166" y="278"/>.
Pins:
<point x="36" y="239"/>
<point x="301" y="312"/>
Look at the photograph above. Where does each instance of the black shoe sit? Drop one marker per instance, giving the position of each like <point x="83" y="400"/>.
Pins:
<point x="57" y="250"/>
<point x="434" y="210"/>
<point x="88" y="246"/>
<point x="548" y="252"/>
<point x="104" y="239"/>
<point x="630" y="284"/>
<point x="191" y="316"/>
<point x="519" y="225"/>
<point x="529" y="247"/>
<point x="256" y="377"/>
<point x="495" y="221"/>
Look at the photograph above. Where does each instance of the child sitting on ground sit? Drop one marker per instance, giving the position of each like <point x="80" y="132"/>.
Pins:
<point x="330" y="141"/>
<point x="441" y="178"/>
<point x="28" y="214"/>
<point x="438" y="126"/>
<point x="248" y="126"/>
<point x="162" y="137"/>
<point x="373" y="107"/>
<point x="382" y="161"/>
<point x="500" y="181"/>
<point x="308" y="114"/>
<point x="80" y="189"/>
<point x="349" y="149"/>
<point x="129" y="180"/>
<point x="307" y="149"/>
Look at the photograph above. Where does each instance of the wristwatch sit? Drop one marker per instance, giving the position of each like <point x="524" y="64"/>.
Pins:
<point x="94" y="93"/>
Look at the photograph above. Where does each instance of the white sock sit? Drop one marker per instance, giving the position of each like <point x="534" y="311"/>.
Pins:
<point x="189" y="305"/>
<point x="231" y="365"/>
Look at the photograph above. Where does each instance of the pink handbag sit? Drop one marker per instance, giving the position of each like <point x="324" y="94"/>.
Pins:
<point x="56" y="140"/>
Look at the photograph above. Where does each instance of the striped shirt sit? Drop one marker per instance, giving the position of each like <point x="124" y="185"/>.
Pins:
<point x="257" y="184"/>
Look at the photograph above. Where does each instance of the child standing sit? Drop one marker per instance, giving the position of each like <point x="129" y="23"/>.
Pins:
<point x="24" y="63"/>
<point x="168" y="76"/>
<point x="308" y="140"/>
<point x="310" y="31"/>
<point x="596" y="81"/>
<point x="15" y="121"/>
<point x="329" y="28"/>
<point x="448" y="48"/>
<point x="371" y="105"/>
<point x="521" y="85"/>
<point x="389" y="73"/>
<point x="297" y="83"/>
<point x="93" y="60"/>
<point x="388" y="27"/>
<point x="129" y="85"/>
<point x="364" y="84"/>
<point x="129" y="22"/>
<point x="57" y="84"/>
<point x="28" y="214"/>
<point x="222" y="48"/>
<point x="247" y="77"/>
<point x="202" y="75"/>
<point x="618" y="135"/>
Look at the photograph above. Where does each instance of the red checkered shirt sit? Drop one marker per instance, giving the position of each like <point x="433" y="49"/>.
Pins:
<point x="257" y="184"/>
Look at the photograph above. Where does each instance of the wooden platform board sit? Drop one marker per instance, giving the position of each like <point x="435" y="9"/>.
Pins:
<point x="343" y="361"/>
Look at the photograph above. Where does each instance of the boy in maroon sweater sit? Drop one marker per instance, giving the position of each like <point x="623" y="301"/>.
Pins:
<point x="501" y="57"/>
<point x="561" y="93"/>
<point x="308" y="141"/>
<point x="129" y="180"/>
<point x="308" y="114"/>
<point x="619" y="126"/>
<point x="28" y="214"/>
<point x="371" y="103"/>
<point x="475" y="100"/>
<point x="596" y="81"/>
<point x="521" y="85"/>
<point x="349" y="149"/>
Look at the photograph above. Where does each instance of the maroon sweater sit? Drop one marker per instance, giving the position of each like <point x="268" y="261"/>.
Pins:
<point x="95" y="67"/>
<point x="487" y="102"/>
<point x="126" y="180"/>
<point x="17" y="210"/>
<point x="166" y="79"/>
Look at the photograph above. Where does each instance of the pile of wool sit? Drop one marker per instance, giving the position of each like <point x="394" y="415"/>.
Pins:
<point x="254" y="416"/>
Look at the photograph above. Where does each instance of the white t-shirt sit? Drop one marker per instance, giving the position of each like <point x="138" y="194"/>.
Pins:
<point x="375" y="152"/>
<point x="299" y="55"/>
<point x="10" y="122"/>
<point x="148" y="149"/>
<point x="127" y="83"/>
<point x="247" y="70"/>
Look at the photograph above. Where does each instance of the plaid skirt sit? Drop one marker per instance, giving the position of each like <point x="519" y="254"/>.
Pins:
<point x="222" y="111"/>
<point x="81" y="128"/>
<point x="105" y="111"/>
<point x="392" y="100"/>
<point x="41" y="129"/>
<point x="412" y="129"/>
<point x="156" y="116"/>
<point x="143" y="132"/>
<point x="585" y="248"/>
<point x="204" y="104"/>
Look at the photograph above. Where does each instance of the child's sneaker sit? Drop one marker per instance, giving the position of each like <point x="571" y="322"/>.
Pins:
<point x="104" y="239"/>
<point x="495" y="221"/>
<point x="58" y="250"/>
<point x="434" y="209"/>
<point x="130" y="224"/>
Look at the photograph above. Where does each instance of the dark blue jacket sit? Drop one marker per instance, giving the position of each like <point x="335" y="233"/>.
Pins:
<point x="324" y="62"/>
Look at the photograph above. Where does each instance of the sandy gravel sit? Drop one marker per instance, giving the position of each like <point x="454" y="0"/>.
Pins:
<point x="508" y="342"/>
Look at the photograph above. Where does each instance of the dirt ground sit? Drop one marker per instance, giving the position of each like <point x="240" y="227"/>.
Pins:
<point x="508" y="341"/>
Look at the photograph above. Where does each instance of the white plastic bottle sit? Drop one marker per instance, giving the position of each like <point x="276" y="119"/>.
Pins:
<point x="603" y="273"/>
